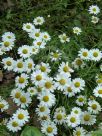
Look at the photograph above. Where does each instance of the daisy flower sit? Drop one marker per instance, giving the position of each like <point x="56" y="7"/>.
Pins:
<point x="9" y="36"/>
<point x="49" y="128"/>
<point x="3" y="105"/>
<point x="47" y="99"/>
<point x="81" y="100"/>
<point x="95" y="55"/>
<point x="99" y="79"/>
<point x="24" y="51"/>
<point x="79" y="84"/>
<point x="44" y="67"/>
<point x="39" y="43"/>
<point x="79" y="131"/>
<point x="24" y="100"/>
<point x="38" y="20"/>
<point x="98" y="91"/>
<point x="8" y="63"/>
<point x="73" y="120"/>
<point x="76" y="110"/>
<point x="28" y="27"/>
<point x="7" y="45"/>
<point x="64" y="68"/>
<point x="62" y="81"/>
<point x="21" y="81"/>
<point x="38" y="77"/>
<point x="84" y="54"/>
<point x="94" y="20"/>
<point x="64" y="38"/>
<point x="42" y="110"/>
<point x="44" y="118"/>
<point x="19" y="66"/>
<point x="94" y="9"/>
<point x="36" y="34"/>
<point x="29" y="65"/>
<point x="94" y="107"/>
<point x="55" y="56"/>
<point x="77" y="30"/>
<point x="46" y="37"/>
<point x="78" y="63"/>
<point x="21" y="116"/>
<point x="34" y="50"/>
<point x="13" y="125"/>
<point x="87" y="118"/>
<point x="32" y="90"/>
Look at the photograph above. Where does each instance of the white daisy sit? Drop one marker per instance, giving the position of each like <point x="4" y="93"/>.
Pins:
<point x="21" y="81"/>
<point x="3" y="105"/>
<point x="64" y="68"/>
<point x="49" y="128"/>
<point x="47" y="99"/>
<point x="13" y="125"/>
<point x="95" y="54"/>
<point x="29" y="65"/>
<point x="76" y="110"/>
<point x="28" y="27"/>
<point x="8" y="63"/>
<point x="94" y="20"/>
<point x="84" y="54"/>
<point x="21" y="116"/>
<point x="39" y="43"/>
<point x="55" y="56"/>
<point x="64" y="38"/>
<point x="98" y="91"/>
<point x="38" y="20"/>
<point x="77" y="30"/>
<point x="87" y="118"/>
<point x="44" y="67"/>
<point x="46" y="36"/>
<point x="81" y="100"/>
<point x="79" y="131"/>
<point x="78" y="63"/>
<point x="34" y="50"/>
<point x="94" y="9"/>
<point x="32" y="90"/>
<point x="9" y="36"/>
<point x="79" y="84"/>
<point x="7" y="45"/>
<point x="73" y="120"/>
<point x="19" y="66"/>
<point x="24" y="51"/>
<point x="36" y="34"/>
<point x="94" y="107"/>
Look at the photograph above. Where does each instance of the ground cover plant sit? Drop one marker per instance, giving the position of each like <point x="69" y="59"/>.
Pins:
<point x="51" y="79"/>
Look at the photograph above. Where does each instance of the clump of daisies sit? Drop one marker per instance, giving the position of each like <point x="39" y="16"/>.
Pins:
<point x="61" y="94"/>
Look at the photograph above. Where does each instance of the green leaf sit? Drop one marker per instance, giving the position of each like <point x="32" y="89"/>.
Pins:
<point x="97" y="133"/>
<point x="31" y="131"/>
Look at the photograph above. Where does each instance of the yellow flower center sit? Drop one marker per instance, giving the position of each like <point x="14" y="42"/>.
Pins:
<point x="64" y="38"/>
<point x="45" y="98"/>
<point x="28" y="26"/>
<point x="24" y="51"/>
<point x="30" y="65"/>
<point x="87" y="117"/>
<point x="9" y="63"/>
<point x="42" y="109"/>
<point x="78" y="133"/>
<point x="37" y="34"/>
<point x="72" y="119"/>
<point x="39" y="89"/>
<point x="99" y="81"/>
<point x="48" y="85"/>
<point x="38" y="77"/>
<point x="39" y="43"/>
<point x="39" y="20"/>
<point x="6" y="44"/>
<point x="14" y="124"/>
<point x="45" y="36"/>
<point x="100" y="91"/>
<point x="66" y="69"/>
<point x="80" y="99"/>
<point x="69" y="89"/>
<point x="19" y="65"/>
<point x="85" y="54"/>
<point x="1" y="105"/>
<point x="55" y="55"/>
<point x="43" y="69"/>
<point x="79" y="62"/>
<point x="77" y="84"/>
<point x="9" y="37"/>
<point x="94" y="106"/>
<point x="62" y="82"/>
<point x="94" y="9"/>
<point x="21" y="80"/>
<point x="76" y="112"/>
<point x="49" y="129"/>
<point x="23" y="99"/>
<point x="20" y="116"/>
<point x="95" y="54"/>
<point x="59" y="117"/>
<point x="17" y="95"/>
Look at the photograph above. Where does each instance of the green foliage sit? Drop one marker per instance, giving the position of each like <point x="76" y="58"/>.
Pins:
<point x="31" y="131"/>
<point x="3" y="131"/>
<point x="97" y="133"/>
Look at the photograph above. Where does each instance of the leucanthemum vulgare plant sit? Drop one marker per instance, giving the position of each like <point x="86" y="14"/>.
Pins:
<point x="68" y="93"/>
